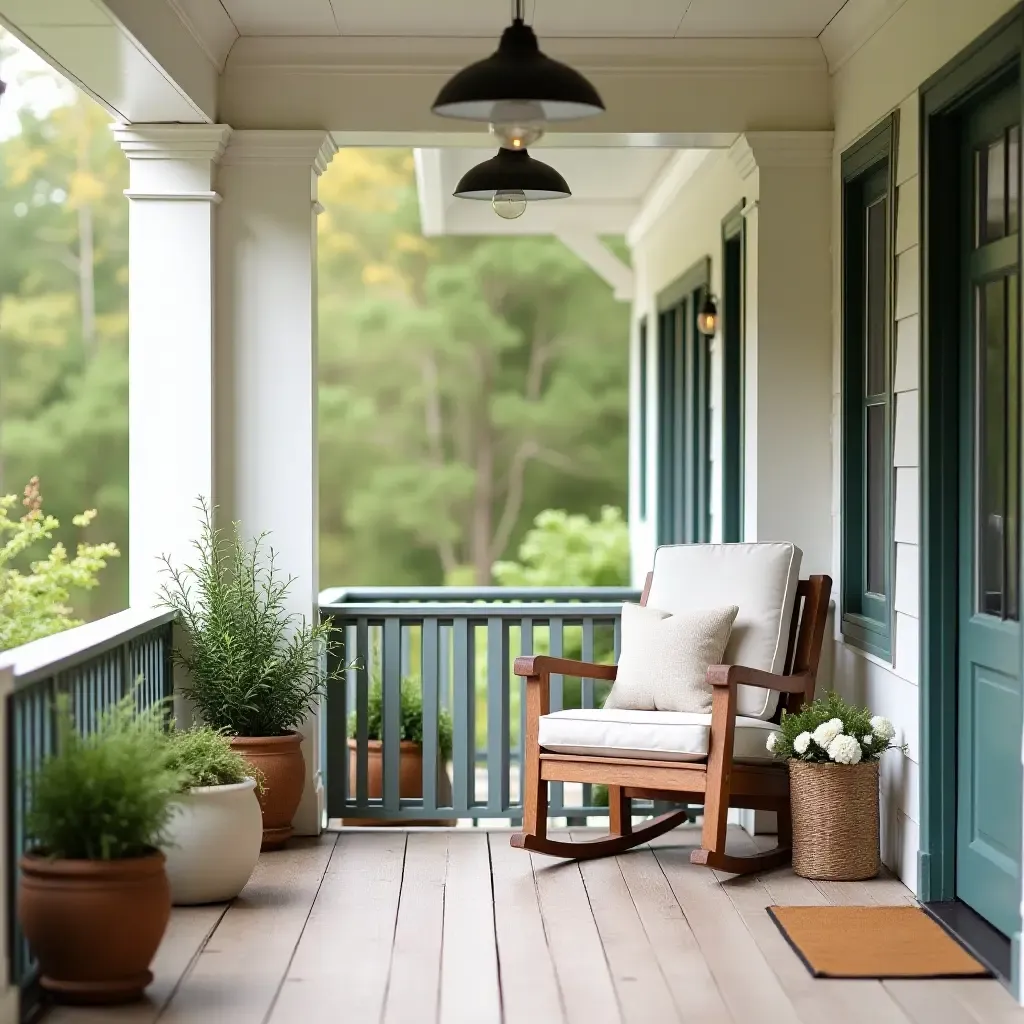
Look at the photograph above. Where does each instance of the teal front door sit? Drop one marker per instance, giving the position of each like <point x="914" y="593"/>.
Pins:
<point x="989" y="683"/>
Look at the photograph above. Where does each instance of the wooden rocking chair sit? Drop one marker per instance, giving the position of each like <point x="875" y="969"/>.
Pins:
<point x="711" y="776"/>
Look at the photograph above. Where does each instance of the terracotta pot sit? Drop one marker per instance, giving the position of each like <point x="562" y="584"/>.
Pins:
<point x="94" y="925"/>
<point x="280" y="760"/>
<point x="410" y="779"/>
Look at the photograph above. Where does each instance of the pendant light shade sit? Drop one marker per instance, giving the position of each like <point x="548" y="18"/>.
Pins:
<point x="518" y="84"/>
<point x="512" y="170"/>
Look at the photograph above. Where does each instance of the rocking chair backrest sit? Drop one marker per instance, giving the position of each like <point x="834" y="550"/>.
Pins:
<point x="806" y="635"/>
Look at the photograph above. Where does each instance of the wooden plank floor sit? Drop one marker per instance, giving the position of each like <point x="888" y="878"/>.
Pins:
<point x="446" y="927"/>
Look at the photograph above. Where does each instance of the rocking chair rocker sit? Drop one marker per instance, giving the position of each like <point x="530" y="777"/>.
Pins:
<point x="718" y="760"/>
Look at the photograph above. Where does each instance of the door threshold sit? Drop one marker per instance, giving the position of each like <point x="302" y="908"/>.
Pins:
<point x="972" y="931"/>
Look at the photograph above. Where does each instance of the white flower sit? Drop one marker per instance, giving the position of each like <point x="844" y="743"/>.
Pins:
<point x="773" y="740"/>
<point x="844" y="750"/>
<point x="868" y="740"/>
<point x="802" y="742"/>
<point x="827" y="732"/>
<point x="883" y="728"/>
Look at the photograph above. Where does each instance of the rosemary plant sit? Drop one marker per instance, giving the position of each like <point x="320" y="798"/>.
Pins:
<point x="254" y="668"/>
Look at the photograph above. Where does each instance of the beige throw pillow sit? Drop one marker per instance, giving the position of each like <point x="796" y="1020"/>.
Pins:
<point x="664" y="658"/>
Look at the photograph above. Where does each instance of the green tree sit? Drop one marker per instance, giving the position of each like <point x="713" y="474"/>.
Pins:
<point x="466" y="385"/>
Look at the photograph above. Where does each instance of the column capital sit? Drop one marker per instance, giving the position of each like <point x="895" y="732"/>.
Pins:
<point x="314" y="148"/>
<point x="780" y="149"/>
<point x="190" y="142"/>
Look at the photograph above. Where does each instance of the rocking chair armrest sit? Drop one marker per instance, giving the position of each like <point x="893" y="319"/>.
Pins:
<point x="741" y="675"/>
<point x="536" y="665"/>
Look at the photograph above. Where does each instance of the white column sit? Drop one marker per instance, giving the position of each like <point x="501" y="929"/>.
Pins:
<point x="788" y="368"/>
<point x="788" y="449"/>
<point x="266" y="361"/>
<point x="170" y="327"/>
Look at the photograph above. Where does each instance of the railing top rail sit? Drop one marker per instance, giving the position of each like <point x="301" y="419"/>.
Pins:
<point x="468" y="595"/>
<point x="43" y="658"/>
<point x="477" y="612"/>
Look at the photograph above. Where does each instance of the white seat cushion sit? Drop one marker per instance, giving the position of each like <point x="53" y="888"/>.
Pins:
<point x="658" y="735"/>
<point x="761" y="579"/>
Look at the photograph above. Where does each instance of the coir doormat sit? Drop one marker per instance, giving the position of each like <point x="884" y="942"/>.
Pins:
<point x="874" y="942"/>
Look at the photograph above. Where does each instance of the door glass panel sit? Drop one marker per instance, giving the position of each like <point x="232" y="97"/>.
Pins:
<point x="995" y="191"/>
<point x="875" y="278"/>
<point x="1013" y="179"/>
<point x="877" y="471"/>
<point x="990" y="444"/>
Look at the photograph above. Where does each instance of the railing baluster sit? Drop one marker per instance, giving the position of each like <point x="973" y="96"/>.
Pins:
<point x="525" y="648"/>
<point x="556" y="637"/>
<point x="587" y="687"/>
<point x="336" y="744"/>
<point x="464" y="742"/>
<point x="497" y="715"/>
<point x="433" y="763"/>
<point x="362" y="710"/>
<point x="391" y="674"/>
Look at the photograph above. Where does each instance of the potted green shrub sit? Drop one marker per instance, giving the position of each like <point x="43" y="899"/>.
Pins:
<point x="254" y="669"/>
<point x="833" y="749"/>
<point x="410" y="756"/>
<point x="93" y="898"/>
<point x="214" y="837"/>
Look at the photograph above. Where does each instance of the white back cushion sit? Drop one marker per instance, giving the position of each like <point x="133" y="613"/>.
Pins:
<point x="760" y="579"/>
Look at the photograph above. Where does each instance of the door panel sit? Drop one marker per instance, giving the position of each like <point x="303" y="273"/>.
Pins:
<point x="989" y="700"/>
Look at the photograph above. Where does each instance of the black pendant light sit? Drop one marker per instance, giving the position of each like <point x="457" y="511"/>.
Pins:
<point x="510" y="180"/>
<point x="518" y="85"/>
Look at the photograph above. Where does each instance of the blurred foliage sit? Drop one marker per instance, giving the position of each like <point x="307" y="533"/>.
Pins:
<point x="466" y="384"/>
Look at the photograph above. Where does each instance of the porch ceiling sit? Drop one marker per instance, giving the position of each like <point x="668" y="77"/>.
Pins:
<point x="663" y="19"/>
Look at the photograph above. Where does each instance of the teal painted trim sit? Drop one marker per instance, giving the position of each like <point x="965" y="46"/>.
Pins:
<point x="986" y="61"/>
<point x="868" y="176"/>
<point x="732" y="307"/>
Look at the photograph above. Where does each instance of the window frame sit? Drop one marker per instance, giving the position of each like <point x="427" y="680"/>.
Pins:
<point x="867" y="617"/>
<point x="683" y="506"/>
<point x="733" y="342"/>
<point x="643" y="397"/>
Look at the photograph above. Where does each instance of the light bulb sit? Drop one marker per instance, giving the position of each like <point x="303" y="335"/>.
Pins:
<point x="707" y="323"/>
<point x="517" y="134"/>
<point x="509" y="203"/>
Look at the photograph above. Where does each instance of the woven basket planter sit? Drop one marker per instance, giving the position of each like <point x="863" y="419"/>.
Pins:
<point x="835" y="820"/>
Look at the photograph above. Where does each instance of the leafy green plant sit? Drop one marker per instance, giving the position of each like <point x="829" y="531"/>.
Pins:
<point x="106" y="795"/>
<point x="410" y="717"/>
<point x="254" y="669"/>
<point x="563" y="550"/>
<point x="35" y="604"/>
<point x="203" y="756"/>
<point x="829" y="730"/>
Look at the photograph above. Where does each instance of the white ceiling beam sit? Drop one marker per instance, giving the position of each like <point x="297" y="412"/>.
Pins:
<point x="651" y="87"/>
<point x="602" y="261"/>
<point x="135" y="57"/>
<point x="664" y="191"/>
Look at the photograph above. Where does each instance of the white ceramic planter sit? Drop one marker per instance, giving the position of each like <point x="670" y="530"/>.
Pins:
<point x="215" y="838"/>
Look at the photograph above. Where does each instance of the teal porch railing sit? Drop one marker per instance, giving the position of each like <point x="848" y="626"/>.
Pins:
<point x="96" y="664"/>
<point x="455" y="648"/>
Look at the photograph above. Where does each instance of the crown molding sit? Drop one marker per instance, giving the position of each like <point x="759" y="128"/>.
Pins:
<point x="312" y="147"/>
<point x="854" y="24"/>
<point x="753" y="150"/>
<point x="209" y="25"/>
<point x="674" y="177"/>
<point x="172" y="141"/>
<point x="389" y="55"/>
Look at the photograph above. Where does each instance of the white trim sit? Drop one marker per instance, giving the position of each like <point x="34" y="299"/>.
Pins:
<point x="854" y="24"/>
<point x="601" y="260"/>
<point x="218" y="39"/>
<point x="199" y="196"/>
<point x="172" y="141"/>
<point x="665" y="190"/>
<point x="259" y="146"/>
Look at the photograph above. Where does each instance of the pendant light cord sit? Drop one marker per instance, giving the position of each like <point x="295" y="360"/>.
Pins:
<point x="517" y="10"/>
